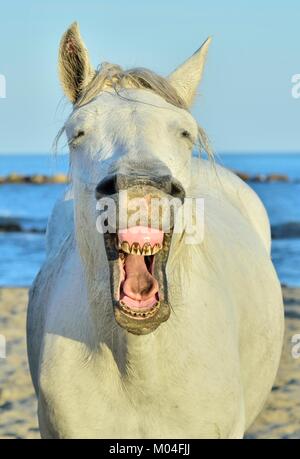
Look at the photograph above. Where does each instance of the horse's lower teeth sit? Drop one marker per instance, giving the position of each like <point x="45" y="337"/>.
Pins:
<point x="149" y="313"/>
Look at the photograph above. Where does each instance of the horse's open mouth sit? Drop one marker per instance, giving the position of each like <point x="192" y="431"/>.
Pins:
<point x="138" y="255"/>
<point x="137" y="258"/>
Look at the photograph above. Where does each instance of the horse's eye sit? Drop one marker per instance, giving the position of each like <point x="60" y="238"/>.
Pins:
<point x="186" y="134"/>
<point x="79" y="134"/>
<point x="72" y="142"/>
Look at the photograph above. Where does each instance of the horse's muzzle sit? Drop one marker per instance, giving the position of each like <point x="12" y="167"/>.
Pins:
<point x="137" y="254"/>
<point x="112" y="184"/>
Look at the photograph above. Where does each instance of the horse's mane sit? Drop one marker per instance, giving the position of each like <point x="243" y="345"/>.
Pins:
<point x="113" y="76"/>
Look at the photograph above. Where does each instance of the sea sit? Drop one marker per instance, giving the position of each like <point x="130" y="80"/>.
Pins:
<point x="23" y="251"/>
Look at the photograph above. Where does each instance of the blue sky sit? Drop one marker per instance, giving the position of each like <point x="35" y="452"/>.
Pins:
<point x="245" y="101"/>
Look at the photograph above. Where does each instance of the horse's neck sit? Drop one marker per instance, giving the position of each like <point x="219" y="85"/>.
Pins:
<point x="138" y="357"/>
<point x="142" y="355"/>
<point x="97" y="326"/>
<point x="88" y="317"/>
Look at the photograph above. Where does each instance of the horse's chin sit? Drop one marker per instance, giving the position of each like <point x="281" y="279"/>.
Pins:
<point x="138" y="282"/>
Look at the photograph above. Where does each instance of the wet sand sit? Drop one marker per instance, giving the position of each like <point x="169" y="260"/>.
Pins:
<point x="279" y="419"/>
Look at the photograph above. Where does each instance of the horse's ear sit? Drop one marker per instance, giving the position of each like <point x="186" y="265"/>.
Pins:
<point x="186" y="78"/>
<point x="75" y="70"/>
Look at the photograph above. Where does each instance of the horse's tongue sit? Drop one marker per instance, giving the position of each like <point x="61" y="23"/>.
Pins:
<point x="139" y="284"/>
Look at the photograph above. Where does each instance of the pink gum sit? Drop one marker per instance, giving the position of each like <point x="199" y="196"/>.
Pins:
<point x="141" y="235"/>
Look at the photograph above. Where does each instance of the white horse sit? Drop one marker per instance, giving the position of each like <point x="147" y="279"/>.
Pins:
<point x="153" y="337"/>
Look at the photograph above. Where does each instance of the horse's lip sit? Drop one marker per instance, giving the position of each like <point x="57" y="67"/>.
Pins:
<point x="141" y="326"/>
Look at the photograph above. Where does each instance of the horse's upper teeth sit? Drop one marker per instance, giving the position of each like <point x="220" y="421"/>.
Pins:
<point x="125" y="247"/>
<point x="156" y="248"/>
<point x="147" y="249"/>
<point x="136" y="249"/>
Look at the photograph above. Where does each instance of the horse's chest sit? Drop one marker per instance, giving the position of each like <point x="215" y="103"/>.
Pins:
<point x="123" y="409"/>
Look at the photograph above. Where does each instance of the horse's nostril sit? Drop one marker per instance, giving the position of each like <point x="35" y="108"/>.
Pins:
<point x="177" y="191"/>
<point x="106" y="187"/>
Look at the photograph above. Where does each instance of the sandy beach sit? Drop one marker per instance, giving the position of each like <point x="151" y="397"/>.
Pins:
<point x="279" y="419"/>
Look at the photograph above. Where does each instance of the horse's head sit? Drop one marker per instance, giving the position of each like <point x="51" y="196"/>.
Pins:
<point x="131" y="138"/>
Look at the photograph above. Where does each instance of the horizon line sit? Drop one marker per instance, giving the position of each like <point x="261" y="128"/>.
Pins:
<point x="225" y="152"/>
